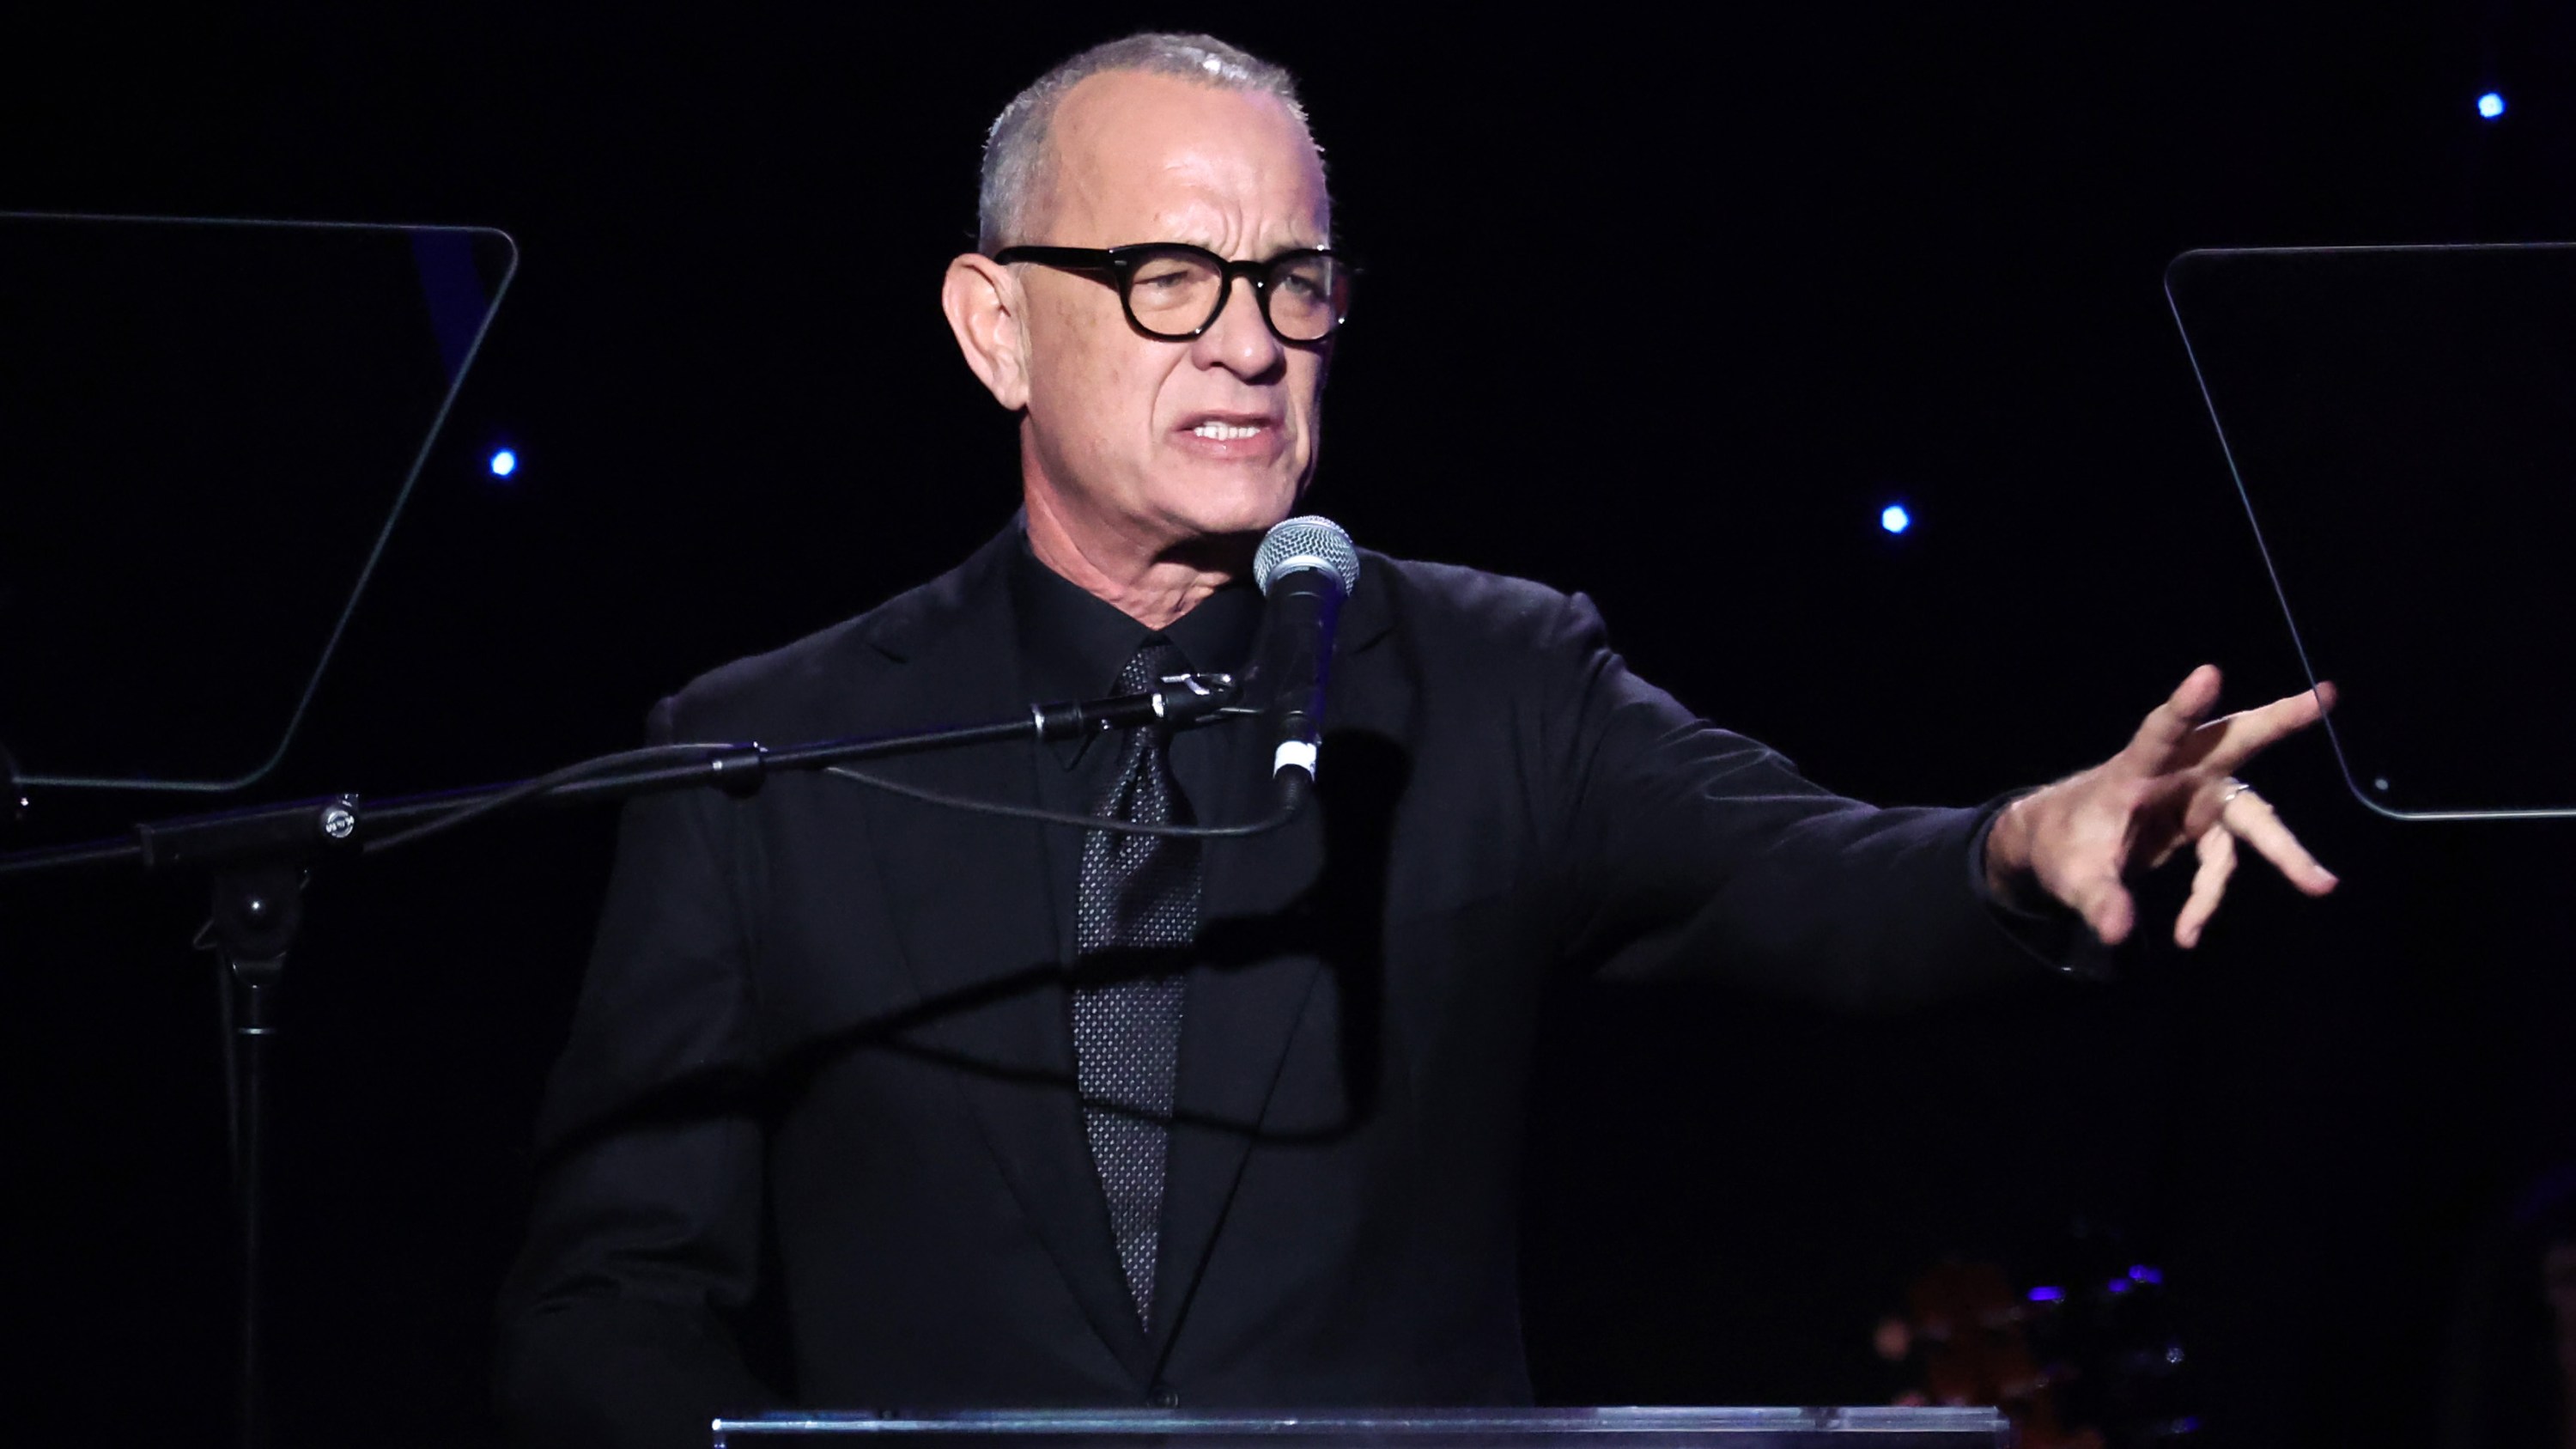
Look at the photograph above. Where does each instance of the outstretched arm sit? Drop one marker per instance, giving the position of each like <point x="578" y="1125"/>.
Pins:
<point x="1692" y="851"/>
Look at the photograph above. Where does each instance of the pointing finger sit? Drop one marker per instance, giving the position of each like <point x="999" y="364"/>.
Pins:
<point x="2208" y="885"/>
<point x="2225" y="744"/>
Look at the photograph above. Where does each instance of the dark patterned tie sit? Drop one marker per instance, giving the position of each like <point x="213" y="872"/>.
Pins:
<point x="1139" y="898"/>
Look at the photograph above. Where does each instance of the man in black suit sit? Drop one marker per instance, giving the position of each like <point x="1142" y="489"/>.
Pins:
<point x="990" y="1112"/>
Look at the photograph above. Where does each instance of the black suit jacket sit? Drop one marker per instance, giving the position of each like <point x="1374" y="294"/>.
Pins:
<point x="823" y="1055"/>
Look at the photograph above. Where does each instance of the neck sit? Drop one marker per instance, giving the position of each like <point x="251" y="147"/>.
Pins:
<point x="1153" y="582"/>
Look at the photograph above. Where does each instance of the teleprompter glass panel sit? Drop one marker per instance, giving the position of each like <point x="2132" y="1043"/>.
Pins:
<point x="207" y="428"/>
<point x="2401" y="422"/>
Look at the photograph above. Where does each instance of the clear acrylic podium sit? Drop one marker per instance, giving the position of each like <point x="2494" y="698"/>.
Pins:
<point x="1854" y="1428"/>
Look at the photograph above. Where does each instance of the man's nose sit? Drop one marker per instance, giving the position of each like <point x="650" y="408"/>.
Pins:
<point x="1240" y="340"/>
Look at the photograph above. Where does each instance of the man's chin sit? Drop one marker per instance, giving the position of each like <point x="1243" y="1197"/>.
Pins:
<point x="1245" y="513"/>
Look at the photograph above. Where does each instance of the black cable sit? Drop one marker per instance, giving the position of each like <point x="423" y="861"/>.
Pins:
<point x="1056" y="817"/>
<point x="655" y="754"/>
<point x="530" y="789"/>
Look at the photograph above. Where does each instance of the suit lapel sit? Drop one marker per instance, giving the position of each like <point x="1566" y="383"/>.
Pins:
<point x="1265" y="913"/>
<point x="971" y="901"/>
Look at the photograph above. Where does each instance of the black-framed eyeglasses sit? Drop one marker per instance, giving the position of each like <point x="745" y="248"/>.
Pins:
<point x="1174" y="291"/>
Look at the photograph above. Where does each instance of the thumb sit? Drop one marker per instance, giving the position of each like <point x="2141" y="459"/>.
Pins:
<point x="2105" y="905"/>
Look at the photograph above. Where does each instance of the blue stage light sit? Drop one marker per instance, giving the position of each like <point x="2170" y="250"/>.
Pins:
<point x="2491" y="105"/>
<point x="1894" y="518"/>
<point x="504" y="463"/>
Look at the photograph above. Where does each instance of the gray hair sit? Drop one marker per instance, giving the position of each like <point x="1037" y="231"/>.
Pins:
<point x="1017" y="156"/>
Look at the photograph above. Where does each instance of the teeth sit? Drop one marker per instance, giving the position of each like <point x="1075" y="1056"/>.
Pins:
<point x="1225" y="432"/>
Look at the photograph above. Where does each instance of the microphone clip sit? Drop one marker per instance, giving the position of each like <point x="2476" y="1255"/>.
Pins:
<point x="1177" y="702"/>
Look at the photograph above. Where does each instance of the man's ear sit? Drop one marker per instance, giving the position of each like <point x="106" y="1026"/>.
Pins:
<point x="983" y="302"/>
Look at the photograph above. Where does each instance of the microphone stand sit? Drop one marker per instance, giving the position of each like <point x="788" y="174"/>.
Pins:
<point x="257" y="861"/>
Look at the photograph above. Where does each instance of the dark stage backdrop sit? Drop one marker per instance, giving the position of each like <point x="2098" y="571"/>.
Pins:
<point x="1897" y="252"/>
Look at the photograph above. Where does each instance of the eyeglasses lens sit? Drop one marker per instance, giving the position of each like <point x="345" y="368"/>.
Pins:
<point x="1174" y="293"/>
<point x="1305" y="298"/>
<point x="1177" y="293"/>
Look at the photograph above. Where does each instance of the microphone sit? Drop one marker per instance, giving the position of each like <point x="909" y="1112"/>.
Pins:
<point x="1306" y="567"/>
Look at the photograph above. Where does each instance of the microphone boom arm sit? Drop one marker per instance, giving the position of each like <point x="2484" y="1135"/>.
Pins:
<point x="343" y="824"/>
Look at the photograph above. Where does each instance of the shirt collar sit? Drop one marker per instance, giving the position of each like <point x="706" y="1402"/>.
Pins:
<point x="1073" y="643"/>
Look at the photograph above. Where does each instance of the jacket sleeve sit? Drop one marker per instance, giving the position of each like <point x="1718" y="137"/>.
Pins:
<point x="1691" y="851"/>
<point x="644" y="1241"/>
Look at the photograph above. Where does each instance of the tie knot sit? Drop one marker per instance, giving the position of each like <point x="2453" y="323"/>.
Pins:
<point x="1154" y="660"/>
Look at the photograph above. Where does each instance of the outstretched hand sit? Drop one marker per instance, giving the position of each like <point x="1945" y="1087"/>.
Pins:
<point x="2079" y="839"/>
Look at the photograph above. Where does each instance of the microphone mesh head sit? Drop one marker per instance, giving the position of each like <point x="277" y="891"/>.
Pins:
<point x="1307" y="543"/>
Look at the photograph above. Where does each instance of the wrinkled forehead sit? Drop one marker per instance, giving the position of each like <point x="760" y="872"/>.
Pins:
<point x="1144" y="157"/>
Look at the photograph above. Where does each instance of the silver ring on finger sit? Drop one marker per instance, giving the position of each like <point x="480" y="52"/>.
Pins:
<point x="2234" y="788"/>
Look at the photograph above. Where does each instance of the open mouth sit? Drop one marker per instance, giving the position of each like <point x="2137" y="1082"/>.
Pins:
<point x="1225" y="432"/>
<point x="1240" y="437"/>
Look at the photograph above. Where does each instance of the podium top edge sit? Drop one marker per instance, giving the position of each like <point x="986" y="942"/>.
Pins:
<point x="1376" y="1423"/>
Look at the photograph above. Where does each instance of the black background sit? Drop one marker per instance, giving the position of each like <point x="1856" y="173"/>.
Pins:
<point x="1891" y="252"/>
